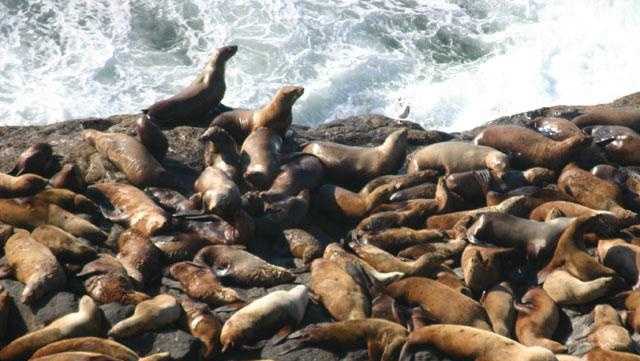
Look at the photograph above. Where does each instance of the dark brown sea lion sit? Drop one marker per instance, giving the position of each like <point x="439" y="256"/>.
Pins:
<point x="69" y="177"/>
<point x="355" y="166"/>
<point x="570" y="209"/>
<point x="276" y="115"/>
<point x="383" y="339"/>
<point x="426" y="190"/>
<point x="556" y="128"/>
<point x="242" y="267"/>
<point x="450" y="248"/>
<point x="456" y="157"/>
<point x="299" y="173"/>
<point x="304" y="244"/>
<point x="37" y="159"/>
<point x="343" y="204"/>
<point x="148" y="315"/>
<point x="181" y="246"/>
<point x="107" y="281"/>
<point x="139" y="256"/>
<point x="412" y="216"/>
<point x="76" y="356"/>
<point x="538" y="317"/>
<point x="610" y="173"/>
<point x="193" y="103"/>
<point x="34" y="265"/>
<point x="498" y="302"/>
<point x="566" y="289"/>
<point x="427" y="265"/>
<point x="62" y="244"/>
<point x="203" y="325"/>
<point x="397" y="239"/>
<point x="201" y="283"/>
<point x="607" y="331"/>
<point x="484" y="267"/>
<point x="152" y="137"/>
<point x="609" y="116"/>
<point x="260" y="156"/>
<point x="532" y="149"/>
<point x="624" y="150"/>
<point x="622" y="257"/>
<point x="216" y="230"/>
<point x="221" y="151"/>
<point x="21" y="186"/>
<point x="220" y="194"/>
<point x="96" y="345"/>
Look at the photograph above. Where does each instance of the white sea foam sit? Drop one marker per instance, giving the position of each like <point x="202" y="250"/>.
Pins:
<point x="457" y="63"/>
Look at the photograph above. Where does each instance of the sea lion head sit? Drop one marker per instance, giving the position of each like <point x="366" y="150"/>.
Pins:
<point x="35" y="159"/>
<point x="31" y="183"/>
<point x="226" y="52"/>
<point x="498" y="162"/>
<point x="288" y="94"/>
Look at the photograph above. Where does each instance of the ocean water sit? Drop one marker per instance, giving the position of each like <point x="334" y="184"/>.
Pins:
<point x="456" y="63"/>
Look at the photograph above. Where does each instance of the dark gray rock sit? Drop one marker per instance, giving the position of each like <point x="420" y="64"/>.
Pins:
<point x="116" y="312"/>
<point x="181" y="345"/>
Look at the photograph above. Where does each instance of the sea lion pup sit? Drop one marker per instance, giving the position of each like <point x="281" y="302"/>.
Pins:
<point x="276" y="115"/>
<point x="63" y="244"/>
<point x="134" y="207"/>
<point x="566" y="289"/>
<point x="278" y="311"/>
<point x="342" y="203"/>
<point x="191" y="105"/>
<point x="609" y="116"/>
<point x="607" y="331"/>
<point x="86" y="322"/>
<point x="203" y="325"/>
<point x="305" y="244"/>
<point x="351" y="165"/>
<point x="556" y="128"/>
<point x="220" y="194"/>
<point x="530" y="148"/>
<point x="152" y="137"/>
<point x="397" y="239"/>
<point x="383" y="339"/>
<point x="69" y="177"/>
<point x="149" y="315"/>
<point x="426" y="190"/>
<point x="516" y="206"/>
<point x="484" y="267"/>
<point x="221" y="151"/>
<point x="96" y="345"/>
<point x="242" y="267"/>
<point x="130" y="157"/>
<point x="337" y="290"/>
<point x="470" y="343"/>
<point x="427" y="265"/>
<point x="107" y="281"/>
<point x="139" y="256"/>
<point x="498" y="302"/>
<point x="400" y="181"/>
<point x="622" y="257"/>
<point x="34" y="265"/>
<point x="260" y="156"/>
<point x="349" y="263"/>
<point x="441" y="303"/>
<point x="538" y="317"/>
<point x="457" y="157"/>
<point x="200" y="282"/>
<point x="21" y="186"/>
<point x="505" y="230"/>
<point x="572" y="258"/>
<point x="598" y="354"/>
<point x="37" y="159"/>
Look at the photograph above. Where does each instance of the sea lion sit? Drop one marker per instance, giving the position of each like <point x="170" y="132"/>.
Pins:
<point x="341" y="203"/>
<point x="34" y="265"/>
<point x="216" y="230"/>
<point x="171" y="200"/>
<point x="139" y="256"/>
<point x="554" y="128"/>
<point x="411" y="216"/>
<point x="622" y="257"/>
<point x="203" y="325"/>
<point x="516" y="206"/>
<point x="609" y="116"/>
<point x="427" y="265"/>
<point x="470" y="343"/>
<point x="532" y="149"/>
<point x="135" y="207"/>
<point x="498" y="302"/>
<point x="76" y="356"/>
<point x="21" y="186"/>
<point x="242" y="267"/>
<point x="607" y="331"/>
<point x="304" y="244"/>
<point x="192" y="104"/>
<point x="200" y="283"/>
<point x="566" y="289"/>
<point x="130" y="157"/>
<point x="107" y="281"/>
<point x="69" y="200"/>
<point x="62" y="244"/>
<point x="450" y="279"/>
<point x="221" y="151"/>
<point x="631" y="303"/>
<point x="383" y="338"/>
<point x="450" y="248"/>
<point x="610" y="173"/>
<point x="598" y="354"/>
<point x="351" y="165"/>
<point x="96" y="345"/>
<point x="278" y="310"/>
<point x="484" y="267"/>
<point x="220" y="194"/>
<point x="400" y="181"/>
<point x="624" y="150"/>
<point x="426" y="190"/>
<point x="457" y="157"/>
<point x="350" y="263"/>
<point x="602" y="134"/>
<point x="180" y="247"/>
<point x="441" y="303"/>
<point x="69" y="177"/>
<point x="37" y="159"/>
<point x="148" y="315"/>
<point x="342" y="296"/>
<point x="86" y="322"/>
<point x="397" y="239"/>
<point x="152" y="137"/>
<point x="260" y="156"/>
<point x="538" y="317"/>
<point x="570" y="209"/>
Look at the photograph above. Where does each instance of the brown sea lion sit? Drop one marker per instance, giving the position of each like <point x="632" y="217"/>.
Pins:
<point x="607" y="331"/>
<point x="69" y="177"/>
<point x="96" y="345"/>
<point x="107" y="281"/>
<point x="610" y="173"/>
<point x="278" y="310"/>
<point x="538" y="317"/>
<point x="193" y="103"/>
<point x="441" y="303"/>
<point x="86" y="322"/>
<point x="76" y="356"/>
<point x="341" y="203"/>
<point x="601" y="134"/>
<point x="516" y="206"/>
<point x="220" y="194"/>
<point x="152" y="137"/>
<point x="67" y="199"/>
<point x="456" y="157"/>
<point x="216" y="230"/>
<point x="135" y="207"/>
<point x="242" y="267"/>
<point x="450" y="248"/>
<point x="535" y="196"/>
<point x="139" y="256"/>
<point x="566" y="289"/>
<point x="498" y="302"/>
<point x="62" y="244"/>
<point x="201" y="283"/>
<point x="221" y="151"/>
<point x="411" y="216"/>
<point x="450" y="279"/>
<point x="383" y="339"/>
<point x="400" y="181"/>
<point x="148" y="315"/>
<point x="260" y="156"/>
<point x="34" y="265"/>
<point x="532" y="149"/>
<point x="609" y="116"/>
<point x="426" y="190"/>
<point x="203" y="325"/>
<point x="484" y="267"/>
<point x="181" y="246"/>
<point x="37" y="159"/>
<point x="130" y="156"/>
<point x="351" y="165"/>
<point x="624" y="150"/>
<point x="470" y="343"/>
<point x="631" y="303"/>
<point x="427" y="265"/>
<point x="21" y="186"/>
<point x="276" y="115"/>
<point x="598" y="354"/>
<point x="306" y="245"/>
<point x="397" y="239"/>
<point x="350" y="263"/>
<point x="554" y="128"/>
<point x="570" y="209"/>
<point x="622" y="257"/>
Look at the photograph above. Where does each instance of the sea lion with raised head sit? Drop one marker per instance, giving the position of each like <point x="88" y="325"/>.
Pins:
<point x="21" y="186"/>
<point x="148" y="315"/>
<point x="355" y="166"/>
<point x="554" y="128"/>
<point x="260" y="156"/>
<point x="566" y="289"/>
<point x="139" y="256"/>
<point x="456" y="157"/>
<point x="221" y="151"/>
<point x="62" y="244"/>
<point x="191" y="105"/>
<point x="341" y="203"/>
<point x="37" y="159"/>
<point x="69" y="177"/>
<point x="220" y="194"/>
<point x="538" y="317"/>
<point x="609" y="116"/>
<point x="152" y="137"/>
<point x="203" y="325"/>
<point x="498" y="302"/>
<point x="607" y="331"/>
<point x="200" y="283"/>
<point x="107" y="281"/>
<point x="97" y="345"/>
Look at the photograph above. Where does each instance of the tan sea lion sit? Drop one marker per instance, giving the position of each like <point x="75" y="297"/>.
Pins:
<point x="152" y="137"/>
<point x="456" y="157"/>
<point x="149" y="315"/>
<point x="516" y="206"/>
<point x="276" y="115"/>
<point x="566" y="289"/>
<point x="554" y="128"/>
<point x="351" y="165"/>
<point x="470" y="343"/>
<point x="62" y="244"/>
<point x="220" y="194"/>
<point x="451" y="248"/>
<point x="350" y="263"/>
<point x="67" y="199"/>
<point x="260" y="156"/>
<point x="427" y="265"/>
<point x="37" y="159"/>
<point x="571" y="209"/>
<point x="532" y="149"/>
<point x="205" y="326"/>
<point x="135" y="207"/>
<point x="34" y="265"/>
<point x="200" y="282"/>
<point x="221" y="151"/>
<point x="96" y="345"/>
<point x="192" y="104"/>
<point x="342" y="203"/>
<point x="139" y="256"/>
<point x="484" y="267"/>
<point x="383" y="339"/>
<point x="498" y="302"/>
<point x="441" y="303"/>
<point x="242" y="267"/>
<point x="278" y="310"/>
<point x="20" y="186"/>
<point x="624" y="150"/>
<point x="107" y="281"/>
<point x="304" y="244"/>
<point x="180" y="247"/>
<point x="607" y="331"/>
<point x="538" y="317"/>
<point x="631" y="302"/>
<point x="397" y="239"/>
<point x="609" y="116"/>
<point x="86" y="322"/>
<point x="76" y="356"/>
<point x="598" y="354"/>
